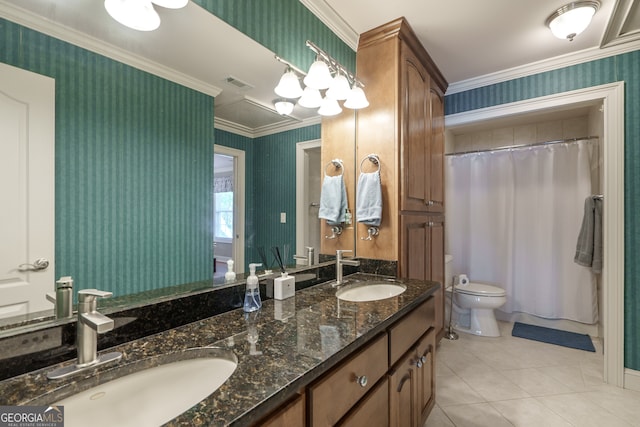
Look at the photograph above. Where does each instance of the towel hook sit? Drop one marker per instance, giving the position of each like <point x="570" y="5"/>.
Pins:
<point x="372" y="232"/>
<point x="373" y="158"/>
<point x="337" y="163"/>
<point x="336" y="230"/>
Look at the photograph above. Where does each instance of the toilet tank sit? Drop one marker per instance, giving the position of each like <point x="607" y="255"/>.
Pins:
<point x="448" y="274"/>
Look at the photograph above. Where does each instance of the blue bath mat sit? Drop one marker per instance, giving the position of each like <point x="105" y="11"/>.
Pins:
<point x="553" y="336"/>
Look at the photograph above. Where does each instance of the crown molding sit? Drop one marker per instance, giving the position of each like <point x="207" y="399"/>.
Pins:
<point x="238" y="129"/>
<point x="69" y="35"/>
<point x="329" y="17"/>
<point x="545" y="65"/>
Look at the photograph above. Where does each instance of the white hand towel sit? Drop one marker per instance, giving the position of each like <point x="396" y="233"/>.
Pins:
<point x="333" y="200"/>
<point x="369" y="199"/>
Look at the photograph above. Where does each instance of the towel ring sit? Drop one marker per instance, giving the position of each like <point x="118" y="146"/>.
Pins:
<point x="373" y="158"/>
<point x="337" y="163"/>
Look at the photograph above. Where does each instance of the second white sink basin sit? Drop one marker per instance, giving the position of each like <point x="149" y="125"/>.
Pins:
<point x="362" y="292"/>
<point x="153" y="396"/>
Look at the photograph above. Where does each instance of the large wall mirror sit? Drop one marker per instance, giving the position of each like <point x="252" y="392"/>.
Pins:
<point x="134" y="145"/>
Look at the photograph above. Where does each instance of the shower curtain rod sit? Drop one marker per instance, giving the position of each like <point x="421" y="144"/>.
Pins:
<point x="511" y="147"/>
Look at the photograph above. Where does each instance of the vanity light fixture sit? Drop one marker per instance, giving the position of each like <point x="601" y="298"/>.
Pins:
<point x="140" y="14"/>
<point x="289" y="85"/>
<point x="572" y="19"/>
<point x="329" y="107"/>
<point x="283" y="106"/>
<point x="356" y="98"/>
<point x="326" y="75"/>
<point x="311" y="98"/>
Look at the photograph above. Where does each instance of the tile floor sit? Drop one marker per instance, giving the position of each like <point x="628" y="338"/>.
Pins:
<point x="509" y="381"/>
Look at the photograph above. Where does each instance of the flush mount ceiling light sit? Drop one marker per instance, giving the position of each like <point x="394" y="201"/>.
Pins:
<point x="283" y="106"/>
<point x="572" y="19"/>
<point x="140" y="14"/>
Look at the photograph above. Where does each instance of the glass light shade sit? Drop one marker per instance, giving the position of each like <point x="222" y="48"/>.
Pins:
<point x="311" y="98"/>
<point x="283" y="106"/>
<point x="319" y="76"/>
<point x="289" y="85"/>
<point x="356" y="99"/>
<point x="171" y="4"/>
<point x="329" y="107"/>
<point x="137" y="14"/>
<point x="339" y="88"/>
<point x="571" y="20"/>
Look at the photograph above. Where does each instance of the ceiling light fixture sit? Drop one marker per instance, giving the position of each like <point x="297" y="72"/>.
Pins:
<point x="572" y="19"/>
<point x="283" y="106"/>
<point x="140" y="14"/>
<point x="326" y="75"/>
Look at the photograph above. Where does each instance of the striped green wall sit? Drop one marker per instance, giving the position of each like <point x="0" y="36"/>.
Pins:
<point x="134" y="168"/>
<point x="270" y="184"/>
<point x="288" y="24"/>
<point x="625" y="68"/>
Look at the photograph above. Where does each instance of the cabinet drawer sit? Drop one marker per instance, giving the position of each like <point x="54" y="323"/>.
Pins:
<point x="406" y="331"/>
<point x="290" y="414"/>
<point x="339" y="390"/>
<point x="372" y="410"/>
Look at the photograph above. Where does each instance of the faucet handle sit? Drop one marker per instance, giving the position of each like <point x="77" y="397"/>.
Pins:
<point x="88" y="295"/>
<point x="339" y="252"/>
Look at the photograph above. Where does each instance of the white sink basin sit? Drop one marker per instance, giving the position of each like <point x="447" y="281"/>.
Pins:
<point x="362" y="292"/>
<point x="153" y="396"/>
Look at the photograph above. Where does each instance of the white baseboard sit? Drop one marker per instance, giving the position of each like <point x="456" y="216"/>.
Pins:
<point x="632" y="379"/>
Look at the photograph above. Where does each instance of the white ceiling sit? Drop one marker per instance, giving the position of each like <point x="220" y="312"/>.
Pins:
<point x="471" y="41"/>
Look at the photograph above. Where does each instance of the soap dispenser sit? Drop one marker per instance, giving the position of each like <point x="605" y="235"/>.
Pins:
<point x="230" y="275"/>
<point x="252" y="300"/>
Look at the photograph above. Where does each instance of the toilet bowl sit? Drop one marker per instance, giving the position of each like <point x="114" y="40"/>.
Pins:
<point x="474" y="305"/>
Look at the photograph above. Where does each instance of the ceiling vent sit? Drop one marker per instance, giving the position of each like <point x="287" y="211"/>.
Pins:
<point x="237" y="83"/>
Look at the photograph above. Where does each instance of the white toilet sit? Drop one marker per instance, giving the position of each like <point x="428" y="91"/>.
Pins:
<point x="474" y="302"/>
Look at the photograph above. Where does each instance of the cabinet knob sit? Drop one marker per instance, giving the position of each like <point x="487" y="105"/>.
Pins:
<point x="423" y="359"/>
<point x="362" y="380"/>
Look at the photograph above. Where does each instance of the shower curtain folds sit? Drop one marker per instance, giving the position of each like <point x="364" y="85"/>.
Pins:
<point x="513" y="218"/>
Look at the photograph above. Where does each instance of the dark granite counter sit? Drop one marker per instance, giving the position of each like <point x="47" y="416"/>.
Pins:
<point x="281" y="348"/>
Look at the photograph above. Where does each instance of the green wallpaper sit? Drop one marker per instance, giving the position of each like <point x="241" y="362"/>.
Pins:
<point x="270" y="187"/>
<point x="288" y="24"/>
<point x="134" y="168"/>
<point x="625" y="68"/>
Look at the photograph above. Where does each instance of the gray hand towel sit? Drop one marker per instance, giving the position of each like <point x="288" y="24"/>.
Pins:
<point x="369" y="199"/>
<point x="333" y="200"/>
<point x="589" y="246"/>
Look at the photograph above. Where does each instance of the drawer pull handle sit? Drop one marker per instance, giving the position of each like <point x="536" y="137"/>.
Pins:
<point x="423" y="359"/>
<point x="362" y="380"/>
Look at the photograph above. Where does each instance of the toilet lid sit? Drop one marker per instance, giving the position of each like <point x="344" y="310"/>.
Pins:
<point x="481" y="289"/>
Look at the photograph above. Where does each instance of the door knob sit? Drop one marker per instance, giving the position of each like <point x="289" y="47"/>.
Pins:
<point x="39" y="264"/>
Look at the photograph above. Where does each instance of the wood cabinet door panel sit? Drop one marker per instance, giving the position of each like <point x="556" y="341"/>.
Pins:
<point x="403" y="393"/>
<point x="435" y="202"/>
<point x="406" y="331"/>
<point x="290" y="415"/>
<point x="335" y="393"/>
<point x="425" y="352"/>
<point x="373" y="410"/>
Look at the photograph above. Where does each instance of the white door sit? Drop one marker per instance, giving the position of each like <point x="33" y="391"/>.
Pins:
<point x="308" y="184"/>
<point x="27" y="112"/>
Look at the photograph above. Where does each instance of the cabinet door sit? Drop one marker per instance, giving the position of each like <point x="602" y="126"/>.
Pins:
<point x="436" y="261"/>
<point x="426" y="374"/>
<point x="415" y="131"/>
<point x="291" y="414"/>
<point x="372" y="410"/>
<point x="403" y="393"/>
<point x="435" y="202"/>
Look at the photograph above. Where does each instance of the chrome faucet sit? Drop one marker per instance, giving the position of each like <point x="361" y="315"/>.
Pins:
<point x="340" y="262"/>
<point x="90" y="324"/>
<point x="309" y="257"/>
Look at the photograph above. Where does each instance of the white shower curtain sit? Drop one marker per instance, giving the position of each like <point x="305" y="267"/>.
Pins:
<point x="513" y="218"/>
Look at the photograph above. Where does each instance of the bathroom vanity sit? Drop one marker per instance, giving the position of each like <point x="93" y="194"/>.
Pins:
<point x="312" y="359"/>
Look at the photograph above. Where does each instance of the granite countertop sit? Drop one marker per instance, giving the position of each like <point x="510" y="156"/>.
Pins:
<point x="298" y="339"/>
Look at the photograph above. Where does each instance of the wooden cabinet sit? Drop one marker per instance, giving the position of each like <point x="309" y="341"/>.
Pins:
<point x="373" y="410"/>
<point x="426" y="365"/>
<point x="422" y="255"/>
<point x="291" y="414"/>
<point x="404" y="125"/>
<point x="337" y="392"/>
<point x="403" y="393"/>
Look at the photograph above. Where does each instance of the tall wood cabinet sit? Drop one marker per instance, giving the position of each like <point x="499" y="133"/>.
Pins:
<point x="404" y="125"/>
